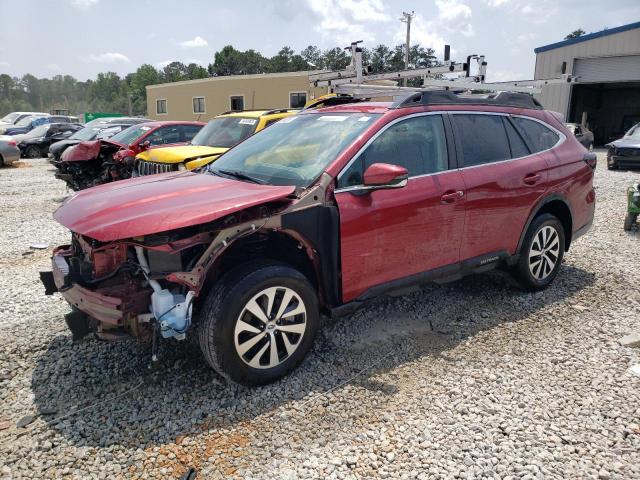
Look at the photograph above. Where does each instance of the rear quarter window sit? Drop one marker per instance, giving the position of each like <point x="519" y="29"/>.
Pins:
<point x="537" y="136"/>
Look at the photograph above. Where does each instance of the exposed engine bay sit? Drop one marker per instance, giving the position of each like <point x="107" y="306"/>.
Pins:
<point x="85" y="166"/>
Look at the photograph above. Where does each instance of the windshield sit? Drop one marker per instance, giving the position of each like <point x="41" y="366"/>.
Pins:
<point x="225" y="132"/>
<point x="131" y="134"/>
<point x="295" y="150"/>
<point x="38" y="131"/>
<point x="26" y="121"/>
<point x="87" y="133"/>
<point x="10" y="118"/>
<point x="634" y="132"/>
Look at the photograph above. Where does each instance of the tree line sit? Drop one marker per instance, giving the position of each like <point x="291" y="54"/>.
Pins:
<point x="114" y="94"/>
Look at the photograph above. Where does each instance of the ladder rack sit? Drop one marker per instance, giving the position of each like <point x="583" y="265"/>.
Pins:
<point x="352" y="80"/>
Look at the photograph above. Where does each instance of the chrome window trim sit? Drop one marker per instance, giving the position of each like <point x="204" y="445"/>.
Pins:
<point x="562" y="138"/>
<point x="372" y="139"/>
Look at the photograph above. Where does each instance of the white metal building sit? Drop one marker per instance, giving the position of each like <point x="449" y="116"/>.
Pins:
<point x="606" y="96"/>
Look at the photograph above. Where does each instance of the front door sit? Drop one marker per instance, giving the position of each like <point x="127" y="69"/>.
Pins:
<point x="388" y="234"/>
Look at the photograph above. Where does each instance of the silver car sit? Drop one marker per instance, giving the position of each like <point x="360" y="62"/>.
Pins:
<point x="9" y="151"/>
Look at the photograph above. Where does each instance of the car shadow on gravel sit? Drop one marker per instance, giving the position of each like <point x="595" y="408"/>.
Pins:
<point x="101" y="394"/>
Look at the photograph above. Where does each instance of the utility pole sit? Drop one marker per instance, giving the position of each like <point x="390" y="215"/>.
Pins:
<point x="406" y="18"/>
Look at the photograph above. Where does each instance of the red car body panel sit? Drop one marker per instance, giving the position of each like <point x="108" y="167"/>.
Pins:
<point x="390" y="234"/>
<point x="81" y="152"/>
<point x="151" y="204"/>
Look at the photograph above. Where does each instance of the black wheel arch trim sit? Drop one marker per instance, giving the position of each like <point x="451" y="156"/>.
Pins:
<point x="536" y="210"/>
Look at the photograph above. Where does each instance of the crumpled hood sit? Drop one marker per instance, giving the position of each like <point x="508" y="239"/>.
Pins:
<point x="157" y="203"/>
<point x="625" y="143"/>
<point x="82" y="151"/>
<point x="180" y="154"/>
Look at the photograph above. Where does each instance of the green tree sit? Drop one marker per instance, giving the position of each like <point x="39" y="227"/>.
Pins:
<point x="575" y="34"/>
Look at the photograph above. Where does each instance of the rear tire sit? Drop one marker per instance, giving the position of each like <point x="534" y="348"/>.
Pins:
<point x="629" y="221"/>
<point x="244" y="331"/>
<point x="541" y="253"/>
<point x="33" y="152"/>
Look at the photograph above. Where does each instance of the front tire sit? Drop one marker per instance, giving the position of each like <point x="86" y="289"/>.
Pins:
<point x="258" y="323"/>
<point x="541" y="253"/>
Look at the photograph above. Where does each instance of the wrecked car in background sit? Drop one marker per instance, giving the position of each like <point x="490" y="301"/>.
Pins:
<point x="322" y="212"/>
<point x="625" y="152"/>
<point x="96" y="162"/>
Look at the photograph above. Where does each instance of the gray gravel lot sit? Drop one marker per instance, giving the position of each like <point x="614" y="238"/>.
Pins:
<point x="471" y="379"/>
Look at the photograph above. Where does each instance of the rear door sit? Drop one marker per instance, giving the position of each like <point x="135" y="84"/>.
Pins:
<point x="503" y="181"/>
<point x="386" y="235"/>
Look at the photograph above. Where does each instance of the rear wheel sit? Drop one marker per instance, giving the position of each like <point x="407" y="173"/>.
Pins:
<point x="541" y="253"/>
<point x="33" y="152"/>
<point x="258" y="324"/>
<point x="629" y="220"/>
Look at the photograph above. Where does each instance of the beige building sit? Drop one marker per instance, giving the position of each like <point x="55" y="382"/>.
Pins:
<point x="606" y="96"/>
<point x="205" y="98"/>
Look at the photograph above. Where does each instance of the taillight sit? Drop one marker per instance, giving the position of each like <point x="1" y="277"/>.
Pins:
<point x="591" y="159"/>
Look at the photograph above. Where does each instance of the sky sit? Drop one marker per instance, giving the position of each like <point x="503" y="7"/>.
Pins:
<point x="84" y="37"/>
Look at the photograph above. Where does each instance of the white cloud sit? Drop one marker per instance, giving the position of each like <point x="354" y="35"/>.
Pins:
<point x="195" y="43"/>
<point x="455" y="16"/>
<point x="4" y="64"/>
<point x="344" y="21"/>
<point x="108" y="57"/>
<point x="84" y="4"/>
<point x="54" y="67"/>
<point x="504" y="76"/>
<point x="163" y="64"/>
<point x="496" y="3"/>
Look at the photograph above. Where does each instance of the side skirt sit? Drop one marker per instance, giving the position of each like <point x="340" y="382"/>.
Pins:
<point x="441" y="275"/>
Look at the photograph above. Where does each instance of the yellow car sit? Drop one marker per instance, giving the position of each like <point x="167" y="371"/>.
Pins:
<point x="215" y="138"/>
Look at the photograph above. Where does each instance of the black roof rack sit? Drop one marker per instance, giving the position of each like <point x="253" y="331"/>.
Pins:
<point x="447" y="97"/>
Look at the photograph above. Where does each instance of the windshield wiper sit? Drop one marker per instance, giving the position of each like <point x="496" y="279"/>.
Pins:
<point x="240" y="176"/>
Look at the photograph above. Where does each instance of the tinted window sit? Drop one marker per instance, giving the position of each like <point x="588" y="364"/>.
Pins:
<point x="297" y="99"/>
<point x="190" y="131"/>
<point x="237" y="103"/>
<point x="418" y="144"/>
<point x="483" y="138"/>
<point x="537" y="135"/>
<point x="166" y="135"/>
<point x="518" y="147"/>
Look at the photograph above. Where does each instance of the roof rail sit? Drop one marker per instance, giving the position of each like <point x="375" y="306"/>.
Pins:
<point x="281" y="110"/>
<point x="447" y="97"/>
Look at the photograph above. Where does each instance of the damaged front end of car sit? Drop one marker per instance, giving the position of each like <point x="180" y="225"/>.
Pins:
<point x="93" y="163"/>
<point x="148" y="285"/>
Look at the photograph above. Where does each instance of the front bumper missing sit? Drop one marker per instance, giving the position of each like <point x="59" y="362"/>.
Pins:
<point x="105" y="309"/>
<point x="624" y="160"/>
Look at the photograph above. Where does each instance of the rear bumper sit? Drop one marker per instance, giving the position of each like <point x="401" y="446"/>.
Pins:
<point x="104" y="308"/>
<point x="10" y="155"/>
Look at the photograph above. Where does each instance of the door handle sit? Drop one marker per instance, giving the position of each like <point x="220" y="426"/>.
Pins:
<point x="451" y="197"/>
<point x="532" y="179"/>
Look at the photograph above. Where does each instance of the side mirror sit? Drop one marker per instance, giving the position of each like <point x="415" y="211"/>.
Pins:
<point x="144" y="146"/>
<point x="385" y="175"/>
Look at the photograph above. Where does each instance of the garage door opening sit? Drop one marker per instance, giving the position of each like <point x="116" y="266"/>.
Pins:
<point x="609" y="109"/>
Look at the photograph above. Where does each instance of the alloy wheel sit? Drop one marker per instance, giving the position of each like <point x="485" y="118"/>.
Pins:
<point x="270" y="327"/>
<point x="544" y="252"/>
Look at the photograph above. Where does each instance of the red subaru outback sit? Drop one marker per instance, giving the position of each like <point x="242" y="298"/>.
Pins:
<point x="318" y="214"/>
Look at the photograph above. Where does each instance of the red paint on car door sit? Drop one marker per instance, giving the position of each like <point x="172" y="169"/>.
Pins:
<point x="389" y="234"/>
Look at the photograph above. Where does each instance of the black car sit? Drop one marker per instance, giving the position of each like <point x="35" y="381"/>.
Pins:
<point x="35" y="144"/>
<point x="625" y="152"/>
<point x="91" y="131"/>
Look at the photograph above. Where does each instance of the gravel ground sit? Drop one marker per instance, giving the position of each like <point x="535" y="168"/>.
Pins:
<point x="471" y="379"/>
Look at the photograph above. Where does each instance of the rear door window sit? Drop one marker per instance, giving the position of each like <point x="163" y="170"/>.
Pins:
<point x="481" y="138"/>
<point x="419" y="144"/>
<point x="537" y="136"/>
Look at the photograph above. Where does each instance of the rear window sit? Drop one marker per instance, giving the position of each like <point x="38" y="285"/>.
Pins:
<point x="518" y="147"/>
<point x="537" y="136"/>
<point x="483" y="138"/>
